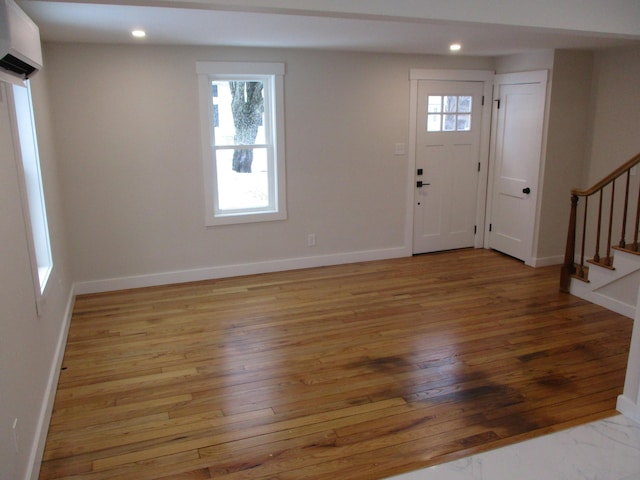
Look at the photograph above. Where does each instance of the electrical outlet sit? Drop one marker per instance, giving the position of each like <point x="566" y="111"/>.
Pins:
<point x="16" y="444"/>
<point x="311" y="240"/>
<point x="399" y="149"/>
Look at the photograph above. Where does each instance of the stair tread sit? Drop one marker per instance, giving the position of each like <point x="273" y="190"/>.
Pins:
<point x="628" y="250"/>
<point x="603" y="263"/>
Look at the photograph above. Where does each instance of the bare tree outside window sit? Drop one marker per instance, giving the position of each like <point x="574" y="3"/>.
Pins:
<point x="247" y="107"/>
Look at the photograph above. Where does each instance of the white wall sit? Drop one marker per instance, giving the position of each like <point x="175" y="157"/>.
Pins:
<point x="567" y="145"/>
<point x="616" y="114"/>
<point x="524" y="62"/>
<point x="128" y="136"/>
<point x="29" y="344"/>
<point x="613" y="139"/>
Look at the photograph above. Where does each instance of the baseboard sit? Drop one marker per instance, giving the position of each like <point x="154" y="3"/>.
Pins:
<point x="628" y="408"/>
<point x="181" y="276"/>
<point x="547" y="261"/>
<point x="42" y="429"/>
<point x="612" y="304"/>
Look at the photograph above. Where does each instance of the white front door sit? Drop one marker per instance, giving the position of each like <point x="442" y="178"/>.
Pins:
<point x="448" y="138"/>
<point x="516" y="156"/>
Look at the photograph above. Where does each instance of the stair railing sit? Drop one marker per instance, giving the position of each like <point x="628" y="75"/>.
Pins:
<point x="573" y="267"/>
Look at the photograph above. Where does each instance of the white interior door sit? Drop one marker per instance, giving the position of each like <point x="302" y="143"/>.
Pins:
<point x="516" y="157"/>
<point x="448" y="137"/>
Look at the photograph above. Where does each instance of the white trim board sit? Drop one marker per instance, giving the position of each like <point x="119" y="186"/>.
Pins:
<point x="46" y="409"/>
<point x="547" y="262"/>
<point x="629" y="402"/>
<point x="223" y="271"/>
<point x="628" y="408"/>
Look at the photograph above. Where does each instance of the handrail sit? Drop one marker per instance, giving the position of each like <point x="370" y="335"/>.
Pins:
<point x="628" y="165"/>
<point x="569" y="265"/>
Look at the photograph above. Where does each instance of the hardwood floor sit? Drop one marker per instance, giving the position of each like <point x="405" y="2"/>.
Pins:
<point x="357" y="371"/>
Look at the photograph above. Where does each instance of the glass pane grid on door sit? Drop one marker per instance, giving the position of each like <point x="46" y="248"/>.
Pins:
<point x="449" y="113"/>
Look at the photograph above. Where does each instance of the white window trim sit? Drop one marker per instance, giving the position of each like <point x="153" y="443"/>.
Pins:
<point x="208" y="71"/>
<point x="40" y="274"/>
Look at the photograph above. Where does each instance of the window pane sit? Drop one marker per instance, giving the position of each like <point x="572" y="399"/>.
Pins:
<point x="464" y="104"/>
<point x="238" y="108"/>
<point x="33" y="182"/>
<point x="434" y="104"/>
<point x="464" y="122"/>
<point x="449" y="123"/>
<point x="433" y="123"/>
<point x="450" y="103"/>
<point x="242" y="190"/>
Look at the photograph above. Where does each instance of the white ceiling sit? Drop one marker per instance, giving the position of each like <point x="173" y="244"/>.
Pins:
<point x="199" y="25"/>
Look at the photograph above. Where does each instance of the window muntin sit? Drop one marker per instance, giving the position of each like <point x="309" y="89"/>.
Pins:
<point x="244" y="152"/>
<point x="33" y="190"/>
<point x="449" y="113"/>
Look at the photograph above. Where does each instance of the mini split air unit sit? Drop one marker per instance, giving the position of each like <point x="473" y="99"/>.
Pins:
<point x="20" y="51"/>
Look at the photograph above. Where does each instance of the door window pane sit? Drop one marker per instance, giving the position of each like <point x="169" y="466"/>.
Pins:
<point x="449" y="113"/>
<point x="435" y="104"/>
<point x="449" y="123"/>
<point x="464" y="104"/>
<point x="464" y="123"/>
<point x="450" y="104"/>
<point x="434" y="123"/>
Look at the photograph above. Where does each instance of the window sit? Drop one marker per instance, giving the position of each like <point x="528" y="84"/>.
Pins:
<point x="243" y="141"/>
<point x="449" y="113"/>
<point x="42" y="263"/>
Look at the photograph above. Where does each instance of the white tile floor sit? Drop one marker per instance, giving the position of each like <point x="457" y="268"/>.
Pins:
<point x="604" y="450"/>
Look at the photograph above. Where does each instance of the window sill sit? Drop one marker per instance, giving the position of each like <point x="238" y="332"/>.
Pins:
<point x="245" y="218"/>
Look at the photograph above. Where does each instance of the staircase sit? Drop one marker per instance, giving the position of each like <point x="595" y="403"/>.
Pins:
<point x="610" y="209"/>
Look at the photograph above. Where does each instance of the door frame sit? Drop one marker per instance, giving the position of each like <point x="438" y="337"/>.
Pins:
<point x="526" y="77"/>
<point x="484" y="76"/>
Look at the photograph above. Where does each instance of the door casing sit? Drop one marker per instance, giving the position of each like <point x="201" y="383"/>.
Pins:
<point x="484" y="76"/>
<point x="529" y="77"/>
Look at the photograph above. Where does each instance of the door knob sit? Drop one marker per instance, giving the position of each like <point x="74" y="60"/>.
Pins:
<point x="526" y="191"/>
<point x="420" y="184"/>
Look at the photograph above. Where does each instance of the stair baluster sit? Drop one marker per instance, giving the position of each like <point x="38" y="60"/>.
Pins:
<point x="569" y="268"/>
<point x="581" y="271"/>
<point x="635" y="232"/>
<point x="607" y="260"/>
<point x="623" y="241"/>
<point x="596" y="257"/>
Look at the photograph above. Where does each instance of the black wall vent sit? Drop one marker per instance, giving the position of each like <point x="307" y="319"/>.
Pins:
<point x="15" y="65"/>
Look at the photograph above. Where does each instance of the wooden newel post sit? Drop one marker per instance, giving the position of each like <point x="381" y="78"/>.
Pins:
<point x="568" y="268"/>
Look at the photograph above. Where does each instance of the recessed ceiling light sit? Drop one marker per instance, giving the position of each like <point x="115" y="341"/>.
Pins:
<point x="138" y="33"/>
<point x="454" y="47"/>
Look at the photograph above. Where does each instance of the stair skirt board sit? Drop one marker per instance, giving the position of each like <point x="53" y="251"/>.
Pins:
<point x="628" y="408"/>
<point x="616" y="290"/>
